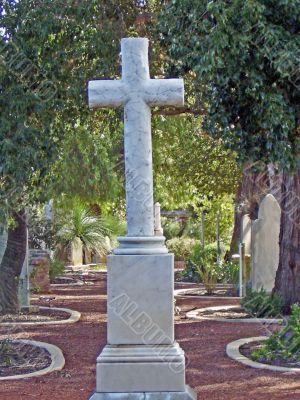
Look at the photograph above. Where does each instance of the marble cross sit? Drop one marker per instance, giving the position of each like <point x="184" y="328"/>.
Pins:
<point x="136" y="92"/>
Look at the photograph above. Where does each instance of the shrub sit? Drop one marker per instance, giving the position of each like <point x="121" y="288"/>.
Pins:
<point x="5" y="346"/>
<point x="262" y="304"/>
<point x="284" y="344"/>
<point x="57" y="268"/>
<point x="229" y="273"/>
<point x="203" y="260"/>
<point x="181" y="247"/>
<point x="190" y="272"/>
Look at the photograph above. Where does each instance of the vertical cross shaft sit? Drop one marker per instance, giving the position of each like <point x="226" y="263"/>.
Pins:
<point x="137" y="92"/>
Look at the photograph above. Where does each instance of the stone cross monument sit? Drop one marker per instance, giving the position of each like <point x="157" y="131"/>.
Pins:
<point x="141" y="359"/>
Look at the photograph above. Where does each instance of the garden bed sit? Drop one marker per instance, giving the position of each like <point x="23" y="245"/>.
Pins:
<point x="39" y="315"/>
<point x="18" y="358"/>
<point x="229" y="313"/>
<point x="240" y="351"/>
<point x="247" y="349"/>
<point x="219" y="291"/>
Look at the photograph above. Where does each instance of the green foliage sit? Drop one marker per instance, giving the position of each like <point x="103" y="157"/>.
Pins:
<point x="5" y="346"/>
<point x="262" y="305"/>
<point x="191" y="226"/>
<point x="181" y="247"/>
<point x="41" y="231"/>
<point x="242" y="61"/>
<point x="203" y="260"/>
<point x="57" y="268"/>
<point x="60" y="44"/>
<point x="229" y="273"/>
<point x="189" y="165"/>
<point x="284" y="344"/>
<point x="93" y="230"/>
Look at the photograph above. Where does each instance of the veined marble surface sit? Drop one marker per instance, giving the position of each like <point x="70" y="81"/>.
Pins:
<point x="140" y="299"/>
<point x="137" y="92"/>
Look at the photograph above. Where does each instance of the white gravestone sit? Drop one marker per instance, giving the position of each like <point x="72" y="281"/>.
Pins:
<point x="3" y="242"/>
<point x="141" y="359"/>
<point x="265" y="244"/>
<point x="76" y="249"/>
<point x="24" y="284"/>
<point x="158" y="230"/>
<point x="246" y="233"/>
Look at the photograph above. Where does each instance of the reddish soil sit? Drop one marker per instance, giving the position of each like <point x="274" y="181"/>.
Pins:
<point x="213" y="375"/>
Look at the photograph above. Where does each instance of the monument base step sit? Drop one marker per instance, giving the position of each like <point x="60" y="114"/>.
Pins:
<point x="137" y="368"/>
<point x="188" y="394"/>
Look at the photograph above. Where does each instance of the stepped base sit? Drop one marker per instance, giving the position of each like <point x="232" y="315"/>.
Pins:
<point x="122" y="369"/>
<point x="188" y="394"/>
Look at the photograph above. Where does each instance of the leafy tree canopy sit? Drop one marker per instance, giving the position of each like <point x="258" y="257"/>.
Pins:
<point x="244" y="60"/>
<point x="49" y="50"/>
<point x="51" y="143"/>
<point x="190" y="166"/>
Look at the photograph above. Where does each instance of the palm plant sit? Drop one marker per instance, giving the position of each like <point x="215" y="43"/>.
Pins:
<point x="94" y="231"/>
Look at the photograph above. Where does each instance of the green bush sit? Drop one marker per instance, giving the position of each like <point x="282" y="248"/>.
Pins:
<point x="284" y="344"/>
<point x="190" y="273"/>
<point x="203" y="261"/>
<point x="181" y="247"/>
<point x="229" y="273"/>
<point x="5" y="346"/>
<point x="263" y="305"/>
<point x="57" y="268"/>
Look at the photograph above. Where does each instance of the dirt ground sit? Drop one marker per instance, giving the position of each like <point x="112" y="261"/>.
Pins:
<point x="209" y="371"/>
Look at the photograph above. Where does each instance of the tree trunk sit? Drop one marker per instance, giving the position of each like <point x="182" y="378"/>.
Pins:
<point x="12" y="264"/>
<point x="288" y="274"/>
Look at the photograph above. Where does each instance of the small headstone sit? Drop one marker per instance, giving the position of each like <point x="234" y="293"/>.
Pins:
<point x="158" y="230"/>
<point x="265" y="244"/>
<point x="48" y="210"/>
<point x="76" y="252"/>
<point x="24" y="285"/>
<point x="3" y="242"/>
<point x="246" y="233"/>
<point x="39" y="265"/>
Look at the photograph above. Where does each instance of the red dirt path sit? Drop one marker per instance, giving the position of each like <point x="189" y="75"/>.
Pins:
<point x="209" y="370"/>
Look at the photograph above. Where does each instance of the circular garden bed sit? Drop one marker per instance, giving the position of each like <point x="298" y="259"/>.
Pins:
<point x="241" y="350"/>
<point x="41" y="315"/>
<point x="227" y="314"/>
<point x="200" y="291"/>
<point x="24" y="358"/>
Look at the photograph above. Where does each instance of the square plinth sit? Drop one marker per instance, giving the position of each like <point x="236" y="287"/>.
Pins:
<point x="140" y="299"/>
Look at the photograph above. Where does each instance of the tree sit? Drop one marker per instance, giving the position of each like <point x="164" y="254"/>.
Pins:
<point x="244" y="56"/>
<point x="48" y="50"/>
<point x="189" y="164"/>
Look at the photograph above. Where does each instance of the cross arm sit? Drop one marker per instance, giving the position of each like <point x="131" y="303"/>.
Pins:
<point x="104" y="93"/>
<point x="164" y="92"/>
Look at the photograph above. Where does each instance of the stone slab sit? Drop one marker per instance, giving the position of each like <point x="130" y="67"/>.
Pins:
<point x="188" y="394"/>
<point x="246" y="233"/>
<point x="265" y="244"/>
<point x="140" y="299"/>
<point x="77" y="251"/>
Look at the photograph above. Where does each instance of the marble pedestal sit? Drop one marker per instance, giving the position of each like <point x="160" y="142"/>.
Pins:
<point x="141" y="359"/>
